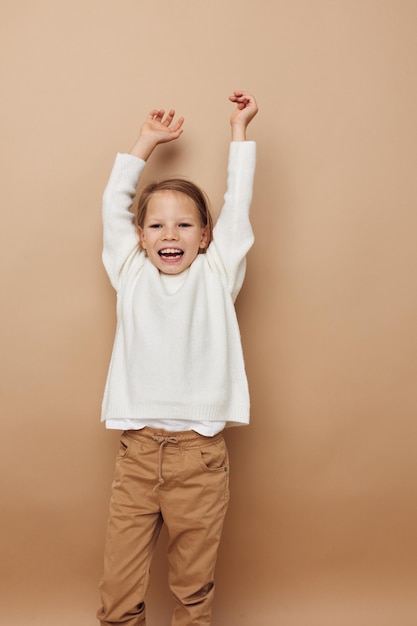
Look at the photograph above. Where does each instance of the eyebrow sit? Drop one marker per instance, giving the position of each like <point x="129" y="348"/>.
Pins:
<point x="184" y="218"/>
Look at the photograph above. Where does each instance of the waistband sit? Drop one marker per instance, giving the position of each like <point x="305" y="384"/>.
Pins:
<point x="167" y="437"/>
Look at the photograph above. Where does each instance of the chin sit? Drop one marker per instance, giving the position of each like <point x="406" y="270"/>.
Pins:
<point x="172" y="270"/>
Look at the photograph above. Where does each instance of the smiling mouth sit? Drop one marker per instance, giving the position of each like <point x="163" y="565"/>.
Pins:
<point x="171" y="253"/>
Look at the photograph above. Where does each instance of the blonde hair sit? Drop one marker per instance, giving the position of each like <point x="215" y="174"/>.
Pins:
<point x="178" y="185"/>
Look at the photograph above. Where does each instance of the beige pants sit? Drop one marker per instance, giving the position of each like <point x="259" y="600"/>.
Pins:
<point x="181" y="479"/>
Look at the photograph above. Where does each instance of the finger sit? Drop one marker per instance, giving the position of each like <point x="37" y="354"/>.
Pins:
<point x="177" y="125"/>
<point x="172" y="134"/>
<point x="169" y="117"/>
<point x="243" y="96"/>
<point x="177" y="133"/>
<point x="241" y="101"/>
<point x="240" y="94"/>
<point x="156" y="115"/>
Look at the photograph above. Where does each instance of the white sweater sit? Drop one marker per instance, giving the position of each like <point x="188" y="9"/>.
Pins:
<point x="178" y="355"/>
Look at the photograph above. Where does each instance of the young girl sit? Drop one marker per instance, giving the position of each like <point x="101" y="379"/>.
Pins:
<point x="177" y="376"/>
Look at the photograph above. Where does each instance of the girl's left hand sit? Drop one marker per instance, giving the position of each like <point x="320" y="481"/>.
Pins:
<point x="246" y="108"/>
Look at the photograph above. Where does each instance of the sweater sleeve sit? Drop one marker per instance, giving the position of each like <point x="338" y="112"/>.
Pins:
<point x="120" y="239"/>
<point x="233" y="235"/>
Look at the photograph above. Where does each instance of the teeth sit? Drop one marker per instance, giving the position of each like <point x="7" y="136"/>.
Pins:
<point x="172" y="252"/>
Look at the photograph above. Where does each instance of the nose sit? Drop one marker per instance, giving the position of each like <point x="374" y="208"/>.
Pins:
<point x="170" y="233"/>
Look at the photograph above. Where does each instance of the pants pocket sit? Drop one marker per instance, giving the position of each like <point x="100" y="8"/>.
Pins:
<point x="214" y="456"/>
<point x="123" y="447"/>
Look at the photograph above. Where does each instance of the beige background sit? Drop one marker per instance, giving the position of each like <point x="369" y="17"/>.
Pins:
<point x="322" y="525"/>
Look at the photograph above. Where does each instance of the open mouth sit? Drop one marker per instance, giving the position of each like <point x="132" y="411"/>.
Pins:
<point x="170" y="254"/>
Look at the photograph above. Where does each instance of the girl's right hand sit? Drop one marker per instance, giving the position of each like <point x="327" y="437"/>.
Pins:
<point x="155" y="130"/>
<point x="160" y="129"/>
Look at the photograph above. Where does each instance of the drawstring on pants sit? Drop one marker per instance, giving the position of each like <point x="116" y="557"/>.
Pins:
<point x="162" y="445"/>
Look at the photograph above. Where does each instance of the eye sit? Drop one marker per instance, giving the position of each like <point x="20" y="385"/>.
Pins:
<point x="185" y="225"/>
<point x="155" y="226"/>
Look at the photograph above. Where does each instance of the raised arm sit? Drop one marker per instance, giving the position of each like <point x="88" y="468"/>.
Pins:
<point x="120" y="237"/>
<point x="232" y="235"/>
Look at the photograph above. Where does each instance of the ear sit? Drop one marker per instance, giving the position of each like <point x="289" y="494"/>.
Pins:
<point x="204" y="237"/>
<point x="141" y="238"/>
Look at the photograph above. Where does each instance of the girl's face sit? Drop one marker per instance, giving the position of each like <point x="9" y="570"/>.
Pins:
<point x="172" y="234"/>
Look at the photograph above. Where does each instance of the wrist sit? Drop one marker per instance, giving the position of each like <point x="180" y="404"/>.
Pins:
<point x="238" y="132"/>
<point x="143" y="147"/>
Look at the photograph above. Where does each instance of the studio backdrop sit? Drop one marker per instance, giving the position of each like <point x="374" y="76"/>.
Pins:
<point x="321" y="529"/>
